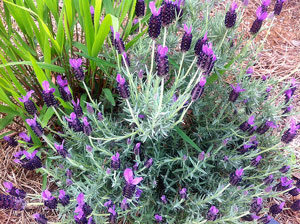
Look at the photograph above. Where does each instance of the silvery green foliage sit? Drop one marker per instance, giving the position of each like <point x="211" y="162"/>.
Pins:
<point x="212" y="123"/>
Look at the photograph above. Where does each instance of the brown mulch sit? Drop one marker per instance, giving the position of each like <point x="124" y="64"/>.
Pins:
<point x="281" y="58"/>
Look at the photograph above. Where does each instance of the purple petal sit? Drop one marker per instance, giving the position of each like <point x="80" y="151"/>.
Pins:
<point x="120" y="79"/>
<point x="8" y="185"/>
<point x="92" y="10"/>
<point x="251" y="120"/>
<point x="80" y="199"/>
<point x="46" y="195"/>
<point x="62" y="194"/>
<point x="46" y="86"/>
<point x="239" y="172"/>
<point x="202" y="81"/>
<point x="136" y="180"/>
<point x="128" y="175"/>
<point x="153" y="9"/>
<point x="214" y="210"/>
<point x="187" y="29"/>
<point x="233" y="6"/>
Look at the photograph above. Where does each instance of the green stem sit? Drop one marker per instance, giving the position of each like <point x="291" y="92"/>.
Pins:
<point x="165" y="36"/>
<point x="132" y="114"/>
<point x="57" y="114"/>
<point x="88" y="93"/>
<point x="180" y="67"/>
<point x="225" y="34"/>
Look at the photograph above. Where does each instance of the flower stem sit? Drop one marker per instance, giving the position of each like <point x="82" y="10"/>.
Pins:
<point x="132" y="114"/>
<point x="225" y="34"/>
<point x="88" y="93"/>
<point x="165" y="36"/>
<point x="180" y="67"/>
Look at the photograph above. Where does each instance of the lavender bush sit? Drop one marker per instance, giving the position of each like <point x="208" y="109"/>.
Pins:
<point x="176" y="143"/>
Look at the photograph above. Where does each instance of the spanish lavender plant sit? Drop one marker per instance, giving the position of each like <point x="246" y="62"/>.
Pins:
<point x="28" y="104"/>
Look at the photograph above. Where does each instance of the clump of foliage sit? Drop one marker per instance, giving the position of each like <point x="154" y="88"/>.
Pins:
<point x="178" y="144"/>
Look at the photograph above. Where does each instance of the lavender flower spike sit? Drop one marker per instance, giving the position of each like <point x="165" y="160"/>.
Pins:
<point x="77" y="108"/>
<point x="154" y="22"/>
<point x="115" y="161"/>
<point x="198" y="89"/>
<point x="63" y="198"/>
<point x="162" y="62"/>
<point x="198" y="47"/>
<point x="212" y="213"/>
<point x="247" y="124"/>
<point x="76" y="67"/>
<point x="236" y="177"/>
<point x="35" y="126"/>
<point x="291" y="133"/>
<point x="158" y="218"/>
<point x="48" y="95"/>
<point x="261" y="16"/>
<point x="28" y="104"/>
<point x="140" y="8"/>
<point x="183" y="193"/>
<point x="87" y="128"/>
<point x="9" y="202"/>
<point x="276" y="209"/>
<point x="186" y="39"/>
<point x="230" y="17"/>
<point x="30" y="162"/>
<point x="278" y="6"/>
<point x="61" y="149"/>
<point x="235" y="92"/>
<point x="40" y="219"/>
<point x="113" y="215"/>
<point x="13" y="191"/>
<point x="63" y="89"/>
<point x="122" y="87"/>
<point x="49" y="200"/>
<point x="167" y="13"/>
<point x="149" y="163"/>
<point x="131" y="183"/>
<point x="11" y="141"/>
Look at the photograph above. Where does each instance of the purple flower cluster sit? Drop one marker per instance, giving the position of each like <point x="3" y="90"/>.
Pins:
<point x="76" y="68"/>
<point x="155" y="21"/>
<point x="236" y="177"/>
<point x="234" y="94"/>
<point x="83" y="210"/>
<point x="48" y="95"/>
<point x="28" y="104"/>
<point x="9" y="202"/>
<point x="247" y="124"/>
<point x="61" y="150"/>
<point x="130" y="184"/>
<point x="64" y="89"/>
<point x="31" y="160"/>
<point x="198" y="89"/>
<point x="13" y="191"/>
<point x="230" y="17"/>
<point x="49" y="201"/>
<point x="291" y="133"/>
<point x="168" y="12"/>
<point x="140" y="8"/>
<point x="261" y="16"/>
<point x="122" y="87"/>
<point x="11" y="141"/>
<point x="74" y="123"/>
<point x="278" y="6"/>
<point x="162" y="62"/>
<point x="206" y="59"/>
<point x="40" y="219"/>
<point x="186" y="39"/>
<point x="35" y="126"/>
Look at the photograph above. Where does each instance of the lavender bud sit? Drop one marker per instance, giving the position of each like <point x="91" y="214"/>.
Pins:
<point x="158" y="218"/>
<point x="247" y="124"/>
<point x="276" y="209"/>
<point x="28" y="104"/>
<point x="236" y="177"/>
<point x="230" y="17"/>
<point x="287" y="109"/>
<point x="256" y="161"/>
<point x="212" y="213"/>
<point x="11" y="141"/>
<point x="149" y="163"/>
<point x="206" y="59"/>
<point x="123" y="87"/>
<point x="199" y="45"/>
<point x="167" y="13"/>
<point x="115" y="161"/>
<point x="49" y="200"/>
<point x="256" y="205"/>
<point x="162" y="62"/>
<point x="35" y="126"/>
<point x="136" y="149"/>
<point x="87" y="128"/>
<point x="198" y="89"/>
<point x="13" y="191"/>
<point x="124" y="204"/>
<point x="138" y="193"/>
<point x="278" y="6"/>
<point x="154" y="22"/>
<point x="261" y="16"/>
<point x="265" y="219"/>
<point x="61" y="149"/>
<point x="235" y="92"/>
<point x="40" y="219"/>
<point x="264" y="5"/>
<point x="100" y="116"/>
<point x="269" y="179"/>
<point x="63" y="198"/>
<point x="140" y="8"/>
<point x="263" y="128"/>
<point x="163" y="199"/>
<point x="48" y="95"/>
<point x="118" y="43"/>
<point x="113" y="215"/>
<point x="89" y="108"/>
<point x="284" y="169"/>
<point x="76" y="68"/>
<point x="77" y="108"/>
<point x="183" y="193"/>
<point x="294" y="192"/>
<point x="63" y="89"/>
<point x="296" y="206"/>
<point x="74" y="123"/>
<point x="201" y="156"/>
<point x="291" y="133"/>
<point x="186" y="39"/>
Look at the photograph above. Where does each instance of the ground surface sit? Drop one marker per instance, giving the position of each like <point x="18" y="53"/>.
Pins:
<point x="281" y="58"/>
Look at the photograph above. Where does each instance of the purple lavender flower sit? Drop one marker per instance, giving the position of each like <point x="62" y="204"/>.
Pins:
<point x="108" y="171"/>
<point x="263" y="128"/>
<point x="291" y="133"/>
<point x="140" y="8"/>
<point x="158" y="218"/>
<point x="91" y="221"/>
<point x="256" y="161"/>
<point x="124" y="204"/>
<point x="269" y="179"/>
<point x="28" y="104"/>
<point x="162" y="62"/>
<point x="199" y="45"/>
<point x="100" y="116"/>
<point x="118" y="43"/>
<point x="49" y="200"/>
<point x="296" y="206"/>
<point x="9" y="202"/>
<point x="167" y="12"/>
<point x="131" y="183"/>
<point x="126" y="60"/>
<point x="264" y="5"/>
<point x="212" y="213"/>
<point x="136" y="149"/>
<point x="261" y="16"/>
<point x="226" y="158"/>
<point x="201" y="156"/>
<point x="249" y="72"/>
<point x="113" y="215"/>
<point x="186" y="39"/>
<point x="252" y="130"/>
<point x="35" y="126"/>
<point x="265" y="219"/>
<point x="87" y="128"/>
<point x="25" y="137"/>
<point x="278" y="6"/>
<point x="198" y="89"/>
<point x="163" y="198"/>
<point x="294" y="192"/>
<point x="155" y="21"/>
<point x="276" y="209"/>
<point x="287" y="109"/>
<point x="291" y="91"/>
<point x="235" y="92"/>
<point x="92" y="11"/>
<point x="115" y="161"/>
<point x="247" y="124"/>
<point x="284" y="169"/>
<point x="245" y="148"/>
<point x="283" y="185"/>
<point x="89" y="108"/>
<point x="122" y="87"/>
<point x="183" y="193"/>
<point x="149" y="163"/>
<point x="207" y="59"/>
<point x="13" y="191"/>
<point x="74" y="122"/>
<point x="138" y="193"/>
<point x="108" y="204"/>
<point x="40" y="219"/>
<point x="83" y="209"/>
<point x="63" y="89"/>
<point x="61" y="150"/>
<point x="89" y="148"/>
<point x="48" y="95"/>
<point x="77" y="108"/>
<point x="63" y="198"/>
<point x="76" y="67"/>
<point x="135" y="166"/>
<point x="69" y="182"/>
<point x="265" y="77"/>
<point x="236" y="177"/>
<point x="256" y="205"/>
<point x="11" y="141"/>
<point x="250" y="217"/>
<point x="31" y="161"/>
<point x="230" y="17"/>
